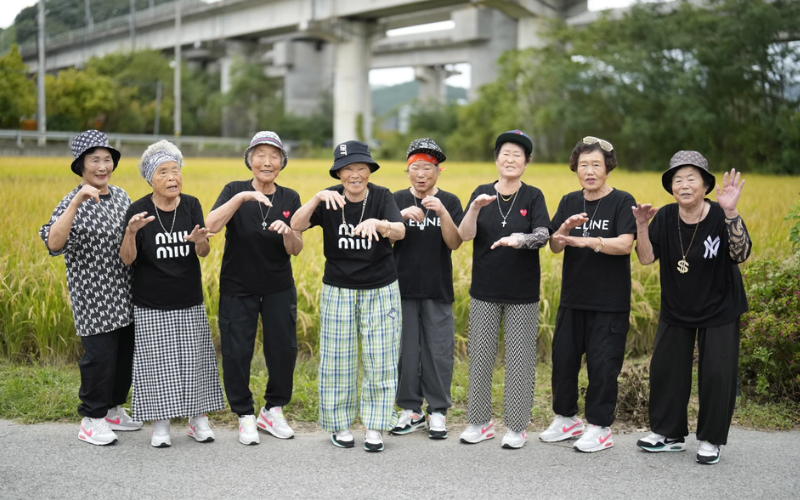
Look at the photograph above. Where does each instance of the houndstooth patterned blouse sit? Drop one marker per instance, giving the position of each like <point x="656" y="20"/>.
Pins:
<point x="99" y="283"/>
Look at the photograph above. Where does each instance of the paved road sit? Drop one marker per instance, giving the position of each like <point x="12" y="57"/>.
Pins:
<point x="48" y="461"/>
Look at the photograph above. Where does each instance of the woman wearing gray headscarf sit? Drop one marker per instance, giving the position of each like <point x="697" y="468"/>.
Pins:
<point x="174" y="362"/>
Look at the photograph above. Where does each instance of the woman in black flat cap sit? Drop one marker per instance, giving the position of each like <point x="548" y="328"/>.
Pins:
<point x="87" y="229"/>
<point x="426" y="287"/>
<point x="360" y="297"/>
<point x="700" y="244"/>
<point x="509" y="222"/>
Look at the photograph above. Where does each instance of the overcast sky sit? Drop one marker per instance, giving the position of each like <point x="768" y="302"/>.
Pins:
<point x="10" y="8"/>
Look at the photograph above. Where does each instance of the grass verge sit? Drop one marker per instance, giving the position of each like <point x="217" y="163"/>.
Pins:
<point x="49" y="393"/>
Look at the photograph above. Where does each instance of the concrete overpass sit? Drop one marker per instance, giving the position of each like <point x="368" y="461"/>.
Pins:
<point x="316" y="45"/>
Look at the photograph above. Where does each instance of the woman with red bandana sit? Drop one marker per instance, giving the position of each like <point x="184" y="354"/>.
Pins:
<point x="425" y="274"/>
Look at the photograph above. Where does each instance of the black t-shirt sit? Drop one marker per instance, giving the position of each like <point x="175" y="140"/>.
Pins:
<point x="507" y="275"/>
<point x="255" y="259"/>
<point x="352" y="261"/>
<point x="166" y="272"/>
<point x="711" y="293"/>
<point x="591" y="280"/>
<point x="423" y="259"/>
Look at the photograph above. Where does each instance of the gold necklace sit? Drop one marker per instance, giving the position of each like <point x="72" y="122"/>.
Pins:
<point x="683" y="266"/>
<point x="509" y="196"/>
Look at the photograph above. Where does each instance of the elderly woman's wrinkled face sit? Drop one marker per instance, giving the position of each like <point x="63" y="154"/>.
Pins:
<point x="167" y="180"/>
<point x="354" y="178"/>
<point x="688" y="186"/>
<point x="423" y="175"/>
<point x="511" y="161"/>
<point x="97" y="168"/>
<point x="266" y="163"/>
<point x="591" y="170"/>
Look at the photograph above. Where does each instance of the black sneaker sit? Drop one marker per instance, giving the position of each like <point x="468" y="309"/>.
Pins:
<point x="409" y="421"/>
<point x="655" y="443"/>
<point x="708" y="454"/>
<point x="373" y="440"/>
<point x="343" y="438"/>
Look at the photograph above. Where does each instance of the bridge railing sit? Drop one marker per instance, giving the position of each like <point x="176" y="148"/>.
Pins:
<point x="117" y="140"/>
<point x="159" y="13"/>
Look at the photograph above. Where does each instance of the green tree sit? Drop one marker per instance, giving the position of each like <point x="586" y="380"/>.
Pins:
<point x="77" y="100"/>
<point x="723" y="79"/>
<point x="17" y="91"/>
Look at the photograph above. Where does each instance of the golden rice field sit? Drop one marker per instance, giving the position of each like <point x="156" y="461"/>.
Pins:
<point x="35" y="319"/>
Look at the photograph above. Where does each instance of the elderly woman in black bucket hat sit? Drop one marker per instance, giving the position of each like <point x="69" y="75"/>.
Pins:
<point x="700" y="244"/>
<point x="174" y="364"/>
<point x="425" y="275"/>
<point x="360" y="297"/>
<point x="256" y="278"/>
<point x="86" y="228"/>
<point x="508" y="221"/>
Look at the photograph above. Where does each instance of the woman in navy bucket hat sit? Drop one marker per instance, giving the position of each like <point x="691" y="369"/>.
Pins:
<point x="256" y="279"/>
<point x="87" y="228"/>
<point x="360" y="297"/>
<point x="700" y="244"/>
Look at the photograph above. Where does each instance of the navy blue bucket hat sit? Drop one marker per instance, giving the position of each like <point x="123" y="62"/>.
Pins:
<point x="351" y="152"/>
<point x="87" y="140"/>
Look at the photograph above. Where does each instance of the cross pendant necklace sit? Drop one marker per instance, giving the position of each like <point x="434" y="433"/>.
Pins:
<point x="264" y="217"/>
<point x="504" y="223"/>
<point x="425" y="218"/>
<point x="505" y="216"/>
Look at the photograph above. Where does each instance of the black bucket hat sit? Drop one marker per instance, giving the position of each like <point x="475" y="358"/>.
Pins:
<point x="351" y="152"/>
<point x="426" y="145"/>
<point x="517" y="137"/>
<point x="688" y="159"/>
<point x="86" y="141"/>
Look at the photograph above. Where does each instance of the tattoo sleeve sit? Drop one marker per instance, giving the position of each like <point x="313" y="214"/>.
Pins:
<point x="739" y="243"/>
<point x="537" y="239"/>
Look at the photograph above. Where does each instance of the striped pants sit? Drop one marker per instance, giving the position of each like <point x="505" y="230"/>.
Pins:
<point x="375" y="317"/>
<point x="521" y="331"/>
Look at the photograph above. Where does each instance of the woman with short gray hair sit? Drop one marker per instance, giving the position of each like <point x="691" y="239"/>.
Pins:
<point x="174" y="363"/>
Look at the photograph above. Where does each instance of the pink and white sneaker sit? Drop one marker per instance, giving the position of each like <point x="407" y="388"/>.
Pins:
<point x="200" y="430"/>
<point x="96" y="432"/>
<point x="272" y="421"/>
<point x="514" y="440"/>
<point x="562" y="428"/>
<point x="595" y="438"/>
<point x="474" y="434"/>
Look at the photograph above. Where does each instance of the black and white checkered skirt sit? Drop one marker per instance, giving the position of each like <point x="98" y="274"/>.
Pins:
<point x="174" y="364"/>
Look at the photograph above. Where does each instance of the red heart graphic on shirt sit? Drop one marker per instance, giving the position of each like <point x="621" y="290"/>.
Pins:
<point x="524" y="212"/>
<point x="287" y="213"/>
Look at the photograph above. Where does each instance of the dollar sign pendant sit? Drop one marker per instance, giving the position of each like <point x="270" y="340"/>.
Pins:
<point x="683" y="266"/>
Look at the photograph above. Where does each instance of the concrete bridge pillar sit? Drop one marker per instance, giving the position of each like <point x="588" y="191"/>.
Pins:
<point x="432" y="86"/>
<point x="307" y="69"/>
<point x="352" y="99"/>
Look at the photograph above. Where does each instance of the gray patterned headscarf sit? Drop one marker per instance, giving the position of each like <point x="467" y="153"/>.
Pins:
<point x="157" y="154"/>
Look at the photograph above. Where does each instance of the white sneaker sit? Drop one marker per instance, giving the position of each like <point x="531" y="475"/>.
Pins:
<point x="562" y="428"/>
<point x="437" y="426"/>
<point x="474" y="434"/>
<point x="373" y="440"/>
<point x="514" y="440"/>
<point x="200" y="430"/>
<point x="273" y="422"/>
<point x="160" y="437"/>
<point x="118" y="420"/>
<point x="656" y="443"/>
<point x="96" y="431"/>
<point x="343" y="438"/>
<point x="596" y="438"/>
<point x="248" y="432"/>
<point x="708" y="454"/>
<point x="409" y="421"/>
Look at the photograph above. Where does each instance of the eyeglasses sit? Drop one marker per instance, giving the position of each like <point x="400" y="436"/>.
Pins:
<point x="605" y="145"/>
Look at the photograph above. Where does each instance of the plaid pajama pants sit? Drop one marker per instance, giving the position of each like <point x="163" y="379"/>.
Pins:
<point x="374" y="316"/>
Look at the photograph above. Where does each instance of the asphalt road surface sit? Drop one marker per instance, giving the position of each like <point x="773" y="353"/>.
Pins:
<point x="48" y="461"/>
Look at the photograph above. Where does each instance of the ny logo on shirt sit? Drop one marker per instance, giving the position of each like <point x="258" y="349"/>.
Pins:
<point x="712" y="247"/>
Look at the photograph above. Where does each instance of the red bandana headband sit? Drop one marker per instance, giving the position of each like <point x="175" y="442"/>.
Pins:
<point x="423" y="157"/>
